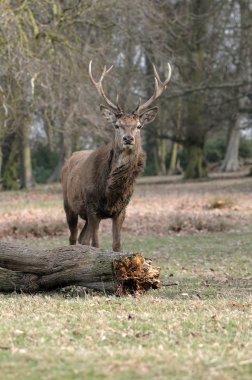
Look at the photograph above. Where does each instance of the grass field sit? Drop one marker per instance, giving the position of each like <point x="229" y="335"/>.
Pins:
<point x="199" y="328"/>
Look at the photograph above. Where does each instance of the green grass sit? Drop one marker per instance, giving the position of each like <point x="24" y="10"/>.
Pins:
<point x="198" y="329"/>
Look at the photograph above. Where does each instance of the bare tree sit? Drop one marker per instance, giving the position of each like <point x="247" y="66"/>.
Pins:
<point x="243" y="12"/>
<point x="44" y="58"/>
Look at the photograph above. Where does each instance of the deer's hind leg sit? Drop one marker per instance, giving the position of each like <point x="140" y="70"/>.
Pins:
<point x="72" y="221"/>
<point x="95" y="230"/>
<point x="83" y="234"/>
<point x="90" y="231"/>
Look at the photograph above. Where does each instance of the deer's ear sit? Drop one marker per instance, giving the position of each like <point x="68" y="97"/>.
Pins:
<point x="148" y="116"/>
<point x="107" y="114"/>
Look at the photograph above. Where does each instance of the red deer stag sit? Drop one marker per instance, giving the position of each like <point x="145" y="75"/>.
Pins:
<point x="99" y="185"/>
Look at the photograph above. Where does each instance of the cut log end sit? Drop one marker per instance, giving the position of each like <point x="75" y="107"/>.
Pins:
<point x="135" y="275"/>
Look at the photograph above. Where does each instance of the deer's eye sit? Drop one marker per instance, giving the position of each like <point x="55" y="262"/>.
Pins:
<point x="139" y="126"/>
<point x="116" y="126"/>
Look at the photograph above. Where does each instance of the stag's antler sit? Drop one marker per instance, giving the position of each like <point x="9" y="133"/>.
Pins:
<point x="159" y="89"/>
<point x="98" y="85"/>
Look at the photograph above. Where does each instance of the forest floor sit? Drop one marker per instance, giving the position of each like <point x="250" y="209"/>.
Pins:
<point x="199" y="233"/>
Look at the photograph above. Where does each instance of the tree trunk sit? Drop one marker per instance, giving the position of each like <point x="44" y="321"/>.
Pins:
<point x="196" y="120"/>
<point x="196" y="167"/>
<point x="231" y="160"/>
<point x="175" y="167"/>
<point x="66" y="148"/>
<point x="26" y="166"/>
<point x="10" y="162"/>
<point x="31" y="270"/>
<point x="160" y="156"/>
<point x="174" y="163"/>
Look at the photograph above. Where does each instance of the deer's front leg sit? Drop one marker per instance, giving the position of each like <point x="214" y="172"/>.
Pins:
<point x="116" y="229"/>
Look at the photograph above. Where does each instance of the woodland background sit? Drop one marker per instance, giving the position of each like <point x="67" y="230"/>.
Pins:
<point x="197" y="231"/>
<point x="49" y="108"/>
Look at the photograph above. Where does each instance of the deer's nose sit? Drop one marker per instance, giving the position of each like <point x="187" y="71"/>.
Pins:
<point x="128" y="139"/>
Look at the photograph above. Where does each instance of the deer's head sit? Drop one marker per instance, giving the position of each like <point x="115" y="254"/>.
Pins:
<point x="128" y="126"/>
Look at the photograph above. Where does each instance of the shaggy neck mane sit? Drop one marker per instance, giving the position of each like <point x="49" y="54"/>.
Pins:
<point x="125" y="167"/>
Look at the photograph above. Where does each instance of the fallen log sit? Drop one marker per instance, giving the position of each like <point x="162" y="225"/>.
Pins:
<point x="30" y="270"/>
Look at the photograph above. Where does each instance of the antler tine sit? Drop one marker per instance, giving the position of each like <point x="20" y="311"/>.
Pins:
<point x="99" y="87"/>
<point x="159" y="88"/>
<point x="138" y="105"/>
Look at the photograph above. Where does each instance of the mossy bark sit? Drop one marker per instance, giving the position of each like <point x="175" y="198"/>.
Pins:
<point x="10" y="167"/>
<point x="196" y="166"/>
<point x="175" y="167"/>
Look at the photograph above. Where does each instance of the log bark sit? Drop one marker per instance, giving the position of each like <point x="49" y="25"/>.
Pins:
<point x="30" y="270"/>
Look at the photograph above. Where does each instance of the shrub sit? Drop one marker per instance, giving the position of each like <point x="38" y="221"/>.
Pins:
<point x="43" y="163"/>
<point x="245" y="149"/>
<point x="215" y="149"/>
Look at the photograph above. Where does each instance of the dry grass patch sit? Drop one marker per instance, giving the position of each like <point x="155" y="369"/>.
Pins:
<point x="183" y="207"/>
<point x="221" y="202"/>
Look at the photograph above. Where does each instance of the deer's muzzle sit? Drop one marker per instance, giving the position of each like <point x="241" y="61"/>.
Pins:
<point x="128" y="140"/>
